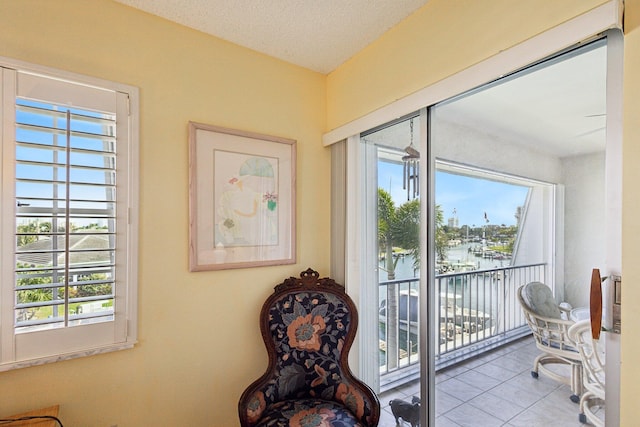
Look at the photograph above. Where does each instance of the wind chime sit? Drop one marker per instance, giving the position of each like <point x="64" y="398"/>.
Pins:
<point x="411" y="166"/>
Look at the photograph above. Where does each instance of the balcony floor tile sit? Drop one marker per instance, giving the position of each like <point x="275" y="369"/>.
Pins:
<point x="493" y="389"/>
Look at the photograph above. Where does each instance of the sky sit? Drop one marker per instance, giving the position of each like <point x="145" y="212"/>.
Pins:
<point x="470" y="197"/>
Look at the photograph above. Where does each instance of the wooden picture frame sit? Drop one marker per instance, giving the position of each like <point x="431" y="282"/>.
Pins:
<point x="242" y="199"/>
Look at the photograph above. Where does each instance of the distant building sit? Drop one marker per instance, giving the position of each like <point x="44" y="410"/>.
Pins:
<point x="453" y="222"/>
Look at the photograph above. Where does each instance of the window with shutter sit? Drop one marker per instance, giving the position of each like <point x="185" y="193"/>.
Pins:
<point x="69" y="248"/>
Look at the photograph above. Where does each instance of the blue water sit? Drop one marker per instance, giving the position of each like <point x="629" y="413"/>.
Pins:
<point x="455" y="254"/>
<point x="472" y="292"/>
<point x="404" y="269"/>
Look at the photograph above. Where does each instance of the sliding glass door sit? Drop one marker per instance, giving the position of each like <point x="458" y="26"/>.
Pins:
<point x="450" y="209"/>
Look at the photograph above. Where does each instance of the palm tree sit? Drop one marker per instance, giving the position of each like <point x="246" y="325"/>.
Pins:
<point x="441" y="236"/>
<point x="400" y="227"/>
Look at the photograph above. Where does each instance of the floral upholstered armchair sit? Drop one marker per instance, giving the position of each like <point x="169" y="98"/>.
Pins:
<point x="308" y="325"/>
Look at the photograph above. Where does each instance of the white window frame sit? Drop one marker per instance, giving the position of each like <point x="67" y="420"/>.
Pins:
<point x="24" y="349"/>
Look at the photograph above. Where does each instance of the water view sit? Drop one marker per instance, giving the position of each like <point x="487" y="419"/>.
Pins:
<point x="462" y="257"/>
<point x="469" y="281"/>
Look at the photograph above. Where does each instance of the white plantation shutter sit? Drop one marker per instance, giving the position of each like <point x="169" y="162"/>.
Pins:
<point x="68" y="242"/>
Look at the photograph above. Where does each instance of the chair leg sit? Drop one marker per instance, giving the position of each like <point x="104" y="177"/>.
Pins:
<point x="536" y="364"/>
<point x="586" y="413"/>
<point x="583" y="401"/>
<point x="576" y="382"/>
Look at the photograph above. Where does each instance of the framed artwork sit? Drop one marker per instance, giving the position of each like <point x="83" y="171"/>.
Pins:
<point x="242" y="199"/>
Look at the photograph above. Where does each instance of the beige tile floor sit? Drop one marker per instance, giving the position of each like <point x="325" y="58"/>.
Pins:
<point x="493" y="389"/>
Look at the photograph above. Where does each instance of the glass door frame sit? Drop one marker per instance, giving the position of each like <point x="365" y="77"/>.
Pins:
<point x="533" y="50"/>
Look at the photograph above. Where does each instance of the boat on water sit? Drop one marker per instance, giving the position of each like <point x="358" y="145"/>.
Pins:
<point x="454" y="318"/>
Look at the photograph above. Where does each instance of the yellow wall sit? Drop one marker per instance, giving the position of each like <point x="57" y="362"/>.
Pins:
<point x="199" y="339"/>
<point x="440" y="39"/>
<point x="199" y="343"/>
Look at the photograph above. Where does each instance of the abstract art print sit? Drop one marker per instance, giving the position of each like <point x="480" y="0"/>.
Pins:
<point x="242" y="198"/>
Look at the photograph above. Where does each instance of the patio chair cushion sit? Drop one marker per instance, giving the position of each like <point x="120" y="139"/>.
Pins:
<point x="541" y="301"/>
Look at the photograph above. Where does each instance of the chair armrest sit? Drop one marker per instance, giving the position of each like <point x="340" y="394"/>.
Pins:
<point x="565" y="307"/>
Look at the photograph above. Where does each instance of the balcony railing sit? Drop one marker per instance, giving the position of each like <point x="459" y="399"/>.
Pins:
<point x="478" y="310"/>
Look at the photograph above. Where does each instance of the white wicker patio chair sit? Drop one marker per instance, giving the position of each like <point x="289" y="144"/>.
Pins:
<point x="550" y="332"/>
<point x="593" y="361"/>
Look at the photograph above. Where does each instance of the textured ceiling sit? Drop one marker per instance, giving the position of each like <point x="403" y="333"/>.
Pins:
<point x="315" y="34"/>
